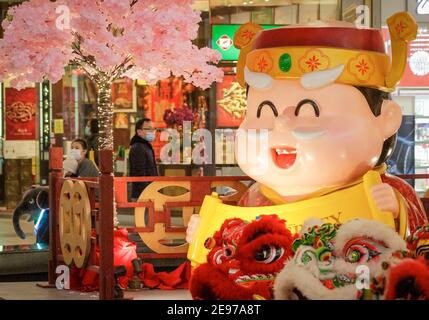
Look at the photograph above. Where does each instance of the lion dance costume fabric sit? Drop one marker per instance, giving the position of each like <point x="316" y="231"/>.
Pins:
<point x="361" y="259"/>
<point x="243" y="261"/>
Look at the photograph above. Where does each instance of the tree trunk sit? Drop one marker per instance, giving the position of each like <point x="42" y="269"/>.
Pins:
<point x="107" y="215"/>
<point x="105" y="115"/>
<point x="105" y="126"/>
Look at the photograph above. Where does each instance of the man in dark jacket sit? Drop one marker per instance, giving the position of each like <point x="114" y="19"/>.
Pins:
<point x="142" y="156"/>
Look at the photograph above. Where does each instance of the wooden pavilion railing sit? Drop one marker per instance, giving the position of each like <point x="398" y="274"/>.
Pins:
<point x="152" y="226"/>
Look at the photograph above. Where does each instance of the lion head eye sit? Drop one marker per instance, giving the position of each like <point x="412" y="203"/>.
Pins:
<point x="268" y="254"/>
<point x="306" y="258"/>
<point x="354" y="256"/>
<point x="362" y="250"/>
<point x="224" y="254"/>
<point x="228" y="251"/>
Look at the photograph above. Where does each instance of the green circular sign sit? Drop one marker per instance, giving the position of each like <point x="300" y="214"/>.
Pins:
<point x="285" y="62"/>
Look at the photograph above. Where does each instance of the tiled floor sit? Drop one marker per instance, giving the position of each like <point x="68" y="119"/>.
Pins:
<point x="29" y="291"/>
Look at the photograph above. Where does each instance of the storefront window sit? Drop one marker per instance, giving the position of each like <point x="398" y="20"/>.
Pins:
<point x="411" y="155"/>
<point x="272" y="11"/>
<point x="165" y="103"/>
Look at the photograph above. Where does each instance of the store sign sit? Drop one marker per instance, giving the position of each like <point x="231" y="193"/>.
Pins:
<point x="19" y="149"/>
<point x="417" y="69"/>
<point x="419" y="63"/>
<point x="222" y="39"/>
<point x="224" y="42"/>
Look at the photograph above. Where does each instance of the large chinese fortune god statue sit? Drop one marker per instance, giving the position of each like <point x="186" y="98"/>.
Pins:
<point x="319" y="126"/>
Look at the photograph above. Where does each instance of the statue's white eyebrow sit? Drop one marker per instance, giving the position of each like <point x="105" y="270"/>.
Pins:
<point x="257" y="79"/>
<point x="319" y="79"/>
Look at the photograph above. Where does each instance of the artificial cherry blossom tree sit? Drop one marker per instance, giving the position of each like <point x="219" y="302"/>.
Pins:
<point x="107" y="39"/>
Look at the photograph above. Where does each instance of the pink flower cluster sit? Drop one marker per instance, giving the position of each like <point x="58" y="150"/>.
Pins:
<point x="156" y="34"/>
<point x="178" y="115"/>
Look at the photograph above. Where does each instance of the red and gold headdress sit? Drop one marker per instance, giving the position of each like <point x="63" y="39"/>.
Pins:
<point x="293" y="51"/>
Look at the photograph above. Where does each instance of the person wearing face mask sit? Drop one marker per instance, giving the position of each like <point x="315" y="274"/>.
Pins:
<point x="85" y="167"/>
<point x="142" y="157"/>
<point x="92" y="136"/>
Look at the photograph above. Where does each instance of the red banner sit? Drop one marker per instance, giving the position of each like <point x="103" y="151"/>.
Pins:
<point x="20" y="114"/>
<point x="167" y="94"/>
<point x="230" y="102"/>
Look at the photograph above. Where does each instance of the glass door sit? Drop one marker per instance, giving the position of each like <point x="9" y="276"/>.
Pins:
<point x="422" y="139"/>
<point x="419" y="108"/>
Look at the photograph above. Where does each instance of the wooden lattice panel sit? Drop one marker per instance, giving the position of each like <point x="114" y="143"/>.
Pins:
<point x="160" y="235"/>
<point x="75" y="223"/>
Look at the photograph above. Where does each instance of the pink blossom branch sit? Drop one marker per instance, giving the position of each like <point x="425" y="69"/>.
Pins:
<point x="101" y="36"/>
<point x="122" y="68"/>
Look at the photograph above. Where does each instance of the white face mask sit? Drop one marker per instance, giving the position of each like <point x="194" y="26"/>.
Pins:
<point x="75" y="154"/>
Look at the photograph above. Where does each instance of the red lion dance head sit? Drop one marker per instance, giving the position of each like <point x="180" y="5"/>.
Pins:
<point x="243" y="261"/>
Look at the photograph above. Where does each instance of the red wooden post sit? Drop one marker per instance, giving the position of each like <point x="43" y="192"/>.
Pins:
<point x="106" y="224"/>
<point x="55" y="172"/>
<point x="121" y="195"/>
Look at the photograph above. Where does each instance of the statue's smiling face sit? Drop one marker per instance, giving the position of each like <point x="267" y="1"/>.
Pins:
<point x="297" y="140"/>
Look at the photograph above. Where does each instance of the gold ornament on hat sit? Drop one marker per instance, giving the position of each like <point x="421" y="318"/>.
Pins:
<point x="403" y="29"/>
<point x="314" y="60"/>
<point x="362" y="67"/>
<point x="243" y="40"/>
